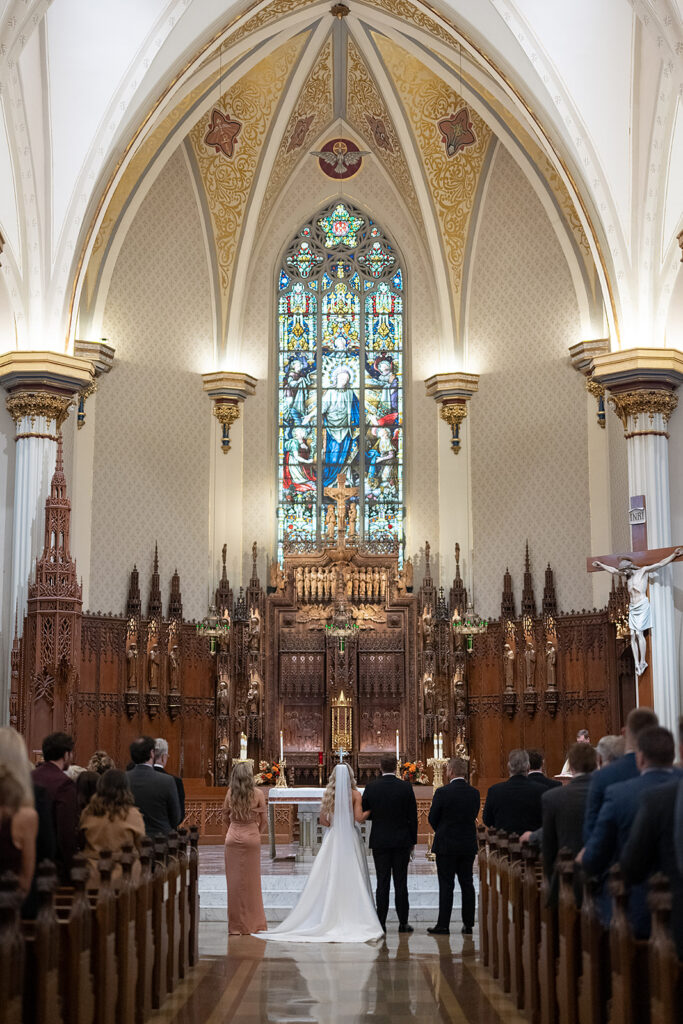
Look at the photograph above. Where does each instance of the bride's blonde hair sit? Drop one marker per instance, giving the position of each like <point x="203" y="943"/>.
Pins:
<point x="241" y="792"/>
<point x="327" y="805"/>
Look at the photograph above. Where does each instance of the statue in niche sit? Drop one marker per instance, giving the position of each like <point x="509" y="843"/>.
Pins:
<point x="321" y="584"/>
<point x="383" y="584"/>
<point x="550" y="661"/>
<point x="223" y="698"/>
<point x="222" y="764"/>
<point x="442" y="720"/>
<point x="427" y="627"/>
<point x="408" y="573"/>
<point x="254" y="693"/>
<point x="307" y="583"/>
<point x="174" y="668"/>
<point x="459" y="692"/>
<point x="352" y="519"/>
<point x="348" y="582"/>
<point x="132" y="666"/>
<point x="508" y="666"/>
<point x="153" y="659"/>
<point x="277" y="577"/>
<point x="530" y="663"/>
<point x="299" y="583"/>
<point x="429" y="691"/>
<point x="330" y="523"/>
<point x="254" y="640"/>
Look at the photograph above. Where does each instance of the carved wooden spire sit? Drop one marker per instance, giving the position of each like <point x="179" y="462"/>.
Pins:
<point x="549" y="598"/>
<point x="223" y="596"/>
<point x="154" y="607"/>
<point x="175" y="604"/>
<point x="134" y="603"/>
<point x="507" y="604"/>
<point x="458" y="595"/>
<point x="528" y="599"/>
<point x="55" y="569"/>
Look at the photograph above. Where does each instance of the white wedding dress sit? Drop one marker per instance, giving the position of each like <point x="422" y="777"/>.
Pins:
<point x="336" y="904"/>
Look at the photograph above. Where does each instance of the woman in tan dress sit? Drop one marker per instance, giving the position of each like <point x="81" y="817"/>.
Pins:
<point x="110" y="821"/>
<point x="244" y="812"/>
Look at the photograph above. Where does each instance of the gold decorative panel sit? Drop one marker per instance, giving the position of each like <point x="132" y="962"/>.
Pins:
<point x="452" y="180"/>
<point x="367" y="113"/>
<point x="252" y="101"/>
<point x="313" y="110"/>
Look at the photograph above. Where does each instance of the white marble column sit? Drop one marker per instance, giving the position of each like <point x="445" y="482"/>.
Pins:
<point x="642" y="384"/>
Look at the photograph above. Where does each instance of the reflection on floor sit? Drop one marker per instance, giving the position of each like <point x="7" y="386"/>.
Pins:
<point x="403" y="978"/>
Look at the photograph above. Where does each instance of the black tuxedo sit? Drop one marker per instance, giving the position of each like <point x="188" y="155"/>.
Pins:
<point x="542" y="780"/>
<point x="393" y="813"/>
<point x="179" y="785"/>
<point x="564" y="810"/>
<point x="514" y="806"/>
<point x="157" y="799"/>
<point x="453" y="816"/>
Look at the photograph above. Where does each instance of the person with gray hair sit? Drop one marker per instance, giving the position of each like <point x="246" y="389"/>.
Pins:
<point x="515" y="805"/>
<point x="160" y="761"/>
<point x="609" y="749"/>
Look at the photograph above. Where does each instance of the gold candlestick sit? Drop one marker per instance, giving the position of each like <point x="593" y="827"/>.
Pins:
<point x="438" y="764"/>
<point x="281" y="779"/>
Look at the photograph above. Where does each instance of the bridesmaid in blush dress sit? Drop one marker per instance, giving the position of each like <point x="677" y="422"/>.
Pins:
<point x="244" y="812"/>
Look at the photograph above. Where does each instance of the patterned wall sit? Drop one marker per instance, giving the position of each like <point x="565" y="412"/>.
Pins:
<point x="153" y="423"/>
<point x="528" y="421"/>
<point x="618" y="483"/>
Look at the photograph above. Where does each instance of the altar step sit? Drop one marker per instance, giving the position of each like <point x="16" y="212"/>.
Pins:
<point x="281" y="892"/>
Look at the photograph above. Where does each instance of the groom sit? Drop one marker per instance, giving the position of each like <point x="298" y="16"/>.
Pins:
<point x="393" y="812"/>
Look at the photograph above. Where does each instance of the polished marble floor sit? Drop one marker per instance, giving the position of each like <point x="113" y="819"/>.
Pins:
<point x="404" y="978"/>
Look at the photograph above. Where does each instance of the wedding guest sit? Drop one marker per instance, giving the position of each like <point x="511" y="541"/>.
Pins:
<point x="160" y="762"/>
<point x="537" y="770"/>
<point x="73" y="771"/>
<point x="109" y="822"/>
<point x="453" y="816"/>
<point x="582" y="736"/>
<point x="51" y="775"/>
<point x="18" y="817"/>
<point x="86" y="784"/>
<point x="100" y="762"/>
<point x="514" y="805"/>
<point x="155" y="792"/>
<point x="244" y="812"/>
<point x="393" y="812"/>
<point x="609" y="749"/>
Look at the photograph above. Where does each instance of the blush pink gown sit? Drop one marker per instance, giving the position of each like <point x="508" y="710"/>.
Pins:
<point x="243" y="871"/>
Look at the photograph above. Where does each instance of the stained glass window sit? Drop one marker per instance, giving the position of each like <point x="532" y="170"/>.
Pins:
<point x="340" y="365"/>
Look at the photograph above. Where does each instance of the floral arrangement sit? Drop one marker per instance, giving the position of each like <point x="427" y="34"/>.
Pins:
<point x="413" y="771"/>
<point x="269" y="773"/>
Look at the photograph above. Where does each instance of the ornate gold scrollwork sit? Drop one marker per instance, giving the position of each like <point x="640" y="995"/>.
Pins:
<point x="33" y="404"/>
<point x="226" y="413"/>
<point x="597" y="390"/>
<point x="453" y="413"/>
<point x="653" y="402"/>
<point x="83" y="395"/>
<point x="342" y="723"/>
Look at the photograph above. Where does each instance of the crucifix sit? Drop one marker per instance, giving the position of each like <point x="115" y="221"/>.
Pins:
<point x="635" y="567"/>
<point x="340" y="493"/>
<point x="342" y="754"/>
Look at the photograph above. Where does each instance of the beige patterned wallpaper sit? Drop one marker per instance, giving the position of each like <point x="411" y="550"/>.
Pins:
<point x="528" y="421"/>
<point x="618" y="482"/>
<point x="153" y="423"/>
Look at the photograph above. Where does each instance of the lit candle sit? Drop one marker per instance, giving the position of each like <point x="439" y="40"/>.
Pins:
<point x="397" y="746"/>
<point x="436" y="747"/>
<point x="243" y="747"/>
<point x="282" y="749"/>
<point x="440" y="744"/>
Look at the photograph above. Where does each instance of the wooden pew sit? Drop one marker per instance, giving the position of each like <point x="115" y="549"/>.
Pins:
<point x="12" y="950"/>
<point x="172" y="911"/>
<point x="482" y="864"/>
<point x="516" y="922"/>
<point x="594" y="984"/>
<point x="503" y="910"/>
<point x="42" y="1001"/>
<point x="665" y="971"/>
<point x="144" y="933"/>
<point x="75" y="946"/>
<point x="568" y="953"/>
<point x="103" y="960"/>
<point x="547" y="957"/>
<point x="126" y="946"/>
<point x="532" y="931"/>
<point x="193" y="895"/>
<point x="183" y="905"/>
<point x="159" y="923"/>
<point x="629" y="1003"/>
<point x="494" y="958"/>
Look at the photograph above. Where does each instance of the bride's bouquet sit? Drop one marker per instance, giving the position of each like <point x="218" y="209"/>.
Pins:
<point x="413" y="771"/>
<point x="269" y="773"/>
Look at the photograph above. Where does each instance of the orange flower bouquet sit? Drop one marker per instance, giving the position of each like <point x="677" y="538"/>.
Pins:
<point x="268" y="774"/>
<point x="413" y="771"/>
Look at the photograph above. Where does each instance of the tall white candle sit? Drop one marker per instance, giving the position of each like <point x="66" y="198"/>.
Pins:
<point x="243" y="747"/>
<point x="282" y="752"/>
<point x="440" y="744"/>
<point x="436" y="746"/>
<point x="397" y="746"/>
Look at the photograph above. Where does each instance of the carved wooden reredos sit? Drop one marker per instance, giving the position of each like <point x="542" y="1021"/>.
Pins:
<point x="532" y="679"/>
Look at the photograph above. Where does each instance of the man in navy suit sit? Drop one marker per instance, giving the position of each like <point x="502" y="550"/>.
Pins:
<point x="624" y="768"/>
<point x="453" y="816"/>
<point x="654" y="758"/>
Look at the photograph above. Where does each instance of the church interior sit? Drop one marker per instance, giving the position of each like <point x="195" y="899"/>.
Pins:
<point x="338" y="342"/>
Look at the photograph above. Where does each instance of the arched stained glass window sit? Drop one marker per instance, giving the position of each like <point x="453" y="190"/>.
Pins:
<point x="340" y="372"/>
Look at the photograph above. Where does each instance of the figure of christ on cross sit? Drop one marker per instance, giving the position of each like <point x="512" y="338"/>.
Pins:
<point x="636" y="568"/>
<point x="339" y="494"/>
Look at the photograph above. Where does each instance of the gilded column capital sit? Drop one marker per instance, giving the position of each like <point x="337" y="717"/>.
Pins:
<point x="42" y="385"/>
<point x="651" y="403"/>
<point x="227" y="390"/>
<point x="641" y="383"/>
<point x="453" y="391"/>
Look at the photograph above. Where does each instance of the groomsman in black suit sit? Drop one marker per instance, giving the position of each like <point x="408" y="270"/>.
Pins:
<point x="537" y="770"/>
<point x="453" y="816"/>
<point x="393" y="813"/>
<point x="515" y="805"/>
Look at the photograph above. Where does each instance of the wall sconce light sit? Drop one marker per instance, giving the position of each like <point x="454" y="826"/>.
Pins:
<point x="453" y="391"/>
<point x="227" y="390"/>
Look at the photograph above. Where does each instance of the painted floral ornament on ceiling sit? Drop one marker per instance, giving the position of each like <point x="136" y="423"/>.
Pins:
<point x="340" y="158"/>
<point x="222" y="133"/>
<point x="456" y="130"/>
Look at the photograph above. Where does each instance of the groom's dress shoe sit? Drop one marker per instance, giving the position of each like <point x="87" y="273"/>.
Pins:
<point x="438" y="931"/>
<point x="465" y="930"/>
<point x="405" y="928"/>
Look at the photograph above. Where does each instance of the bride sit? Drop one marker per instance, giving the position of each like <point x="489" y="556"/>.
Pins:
<point x="336" y="903"/>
